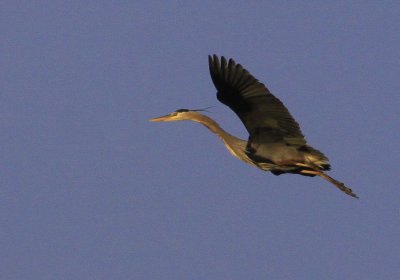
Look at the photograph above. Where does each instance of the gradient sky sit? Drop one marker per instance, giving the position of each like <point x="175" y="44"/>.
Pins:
<point x="89" y="189"/>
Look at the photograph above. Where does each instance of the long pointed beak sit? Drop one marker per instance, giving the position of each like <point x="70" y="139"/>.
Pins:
<point x="165" y="118"/>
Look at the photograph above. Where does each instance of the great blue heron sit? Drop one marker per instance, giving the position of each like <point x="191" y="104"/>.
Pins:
<point x="275" y="141"/>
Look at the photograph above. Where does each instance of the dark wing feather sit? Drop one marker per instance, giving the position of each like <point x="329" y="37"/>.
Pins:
<point x="265" y="117"/>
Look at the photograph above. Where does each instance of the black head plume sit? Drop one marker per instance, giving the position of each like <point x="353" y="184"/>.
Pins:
<point x="194" y="110"/>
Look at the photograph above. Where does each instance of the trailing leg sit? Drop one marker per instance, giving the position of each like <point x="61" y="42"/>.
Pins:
<point x="338" y="184"/>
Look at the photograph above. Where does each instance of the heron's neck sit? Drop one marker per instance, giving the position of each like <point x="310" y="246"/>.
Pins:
<point x="214" y="127"/>
<point x="235" y="146"/>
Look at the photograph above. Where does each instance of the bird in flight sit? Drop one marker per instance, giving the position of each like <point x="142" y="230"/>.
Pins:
<point x="275" y="141"/>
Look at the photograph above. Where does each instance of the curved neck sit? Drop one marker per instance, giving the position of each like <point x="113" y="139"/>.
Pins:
<point x="235" y="146"/>
<point x="213" y="126"/>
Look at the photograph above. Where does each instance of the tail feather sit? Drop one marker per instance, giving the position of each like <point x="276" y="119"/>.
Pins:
<point x="315" y="157"/>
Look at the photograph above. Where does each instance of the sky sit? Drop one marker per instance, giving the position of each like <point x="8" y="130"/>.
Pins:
<point x="90" y="189"/>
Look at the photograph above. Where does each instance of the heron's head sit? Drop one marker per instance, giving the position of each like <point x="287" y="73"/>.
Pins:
<point x="178" y="115"/>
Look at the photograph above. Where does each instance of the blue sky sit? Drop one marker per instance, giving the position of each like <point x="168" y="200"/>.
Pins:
<point x="89" y="189"/>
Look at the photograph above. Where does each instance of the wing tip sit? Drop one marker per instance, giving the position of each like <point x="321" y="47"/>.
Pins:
<point x="215" y="58"/>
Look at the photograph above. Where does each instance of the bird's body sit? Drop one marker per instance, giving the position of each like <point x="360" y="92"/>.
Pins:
<point x="275" y="141"/>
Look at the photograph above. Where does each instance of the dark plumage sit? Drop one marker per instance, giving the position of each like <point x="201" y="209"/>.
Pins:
<point x="265" y="117"/>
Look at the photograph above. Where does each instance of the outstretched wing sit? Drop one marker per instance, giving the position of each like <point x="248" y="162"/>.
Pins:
<point x="265" y="117"/>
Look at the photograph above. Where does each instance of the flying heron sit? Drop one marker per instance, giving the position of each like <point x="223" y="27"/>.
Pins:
<point x="275" y="141"/>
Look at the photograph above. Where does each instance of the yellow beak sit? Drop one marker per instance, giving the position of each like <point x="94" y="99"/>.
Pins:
<point x="161" y="119"/>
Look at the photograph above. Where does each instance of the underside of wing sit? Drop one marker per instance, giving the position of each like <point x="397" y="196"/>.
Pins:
<point x="265" y="117"/>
